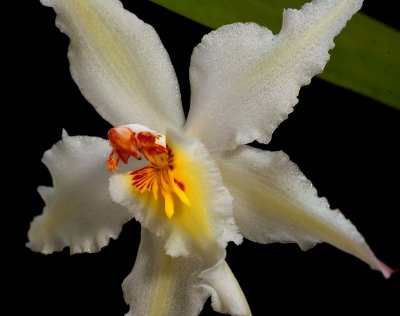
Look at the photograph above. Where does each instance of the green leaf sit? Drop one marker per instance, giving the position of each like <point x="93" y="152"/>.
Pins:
<point x="365" y="59"/>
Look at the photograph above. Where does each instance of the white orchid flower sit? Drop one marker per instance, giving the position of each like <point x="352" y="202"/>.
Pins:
<point x="198" y="183"/>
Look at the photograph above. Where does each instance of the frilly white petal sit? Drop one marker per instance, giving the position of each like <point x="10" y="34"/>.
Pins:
<point x="163" y="285"/>
<point x="79" y="212"/>
<point x="274" y="202"/>
<point x="119" y="63"/>
<point x="245" y="80"/>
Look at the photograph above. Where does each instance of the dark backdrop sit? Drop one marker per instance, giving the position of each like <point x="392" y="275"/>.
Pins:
<point x="345" y="143"/>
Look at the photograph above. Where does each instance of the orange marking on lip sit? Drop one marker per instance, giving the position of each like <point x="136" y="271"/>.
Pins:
<point x="180" y="185"/>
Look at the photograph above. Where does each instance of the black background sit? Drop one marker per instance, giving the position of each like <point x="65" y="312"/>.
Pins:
<point x="345" y="143"/>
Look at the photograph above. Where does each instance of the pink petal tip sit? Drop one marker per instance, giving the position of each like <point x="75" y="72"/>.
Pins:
<point x="386" y="270"/>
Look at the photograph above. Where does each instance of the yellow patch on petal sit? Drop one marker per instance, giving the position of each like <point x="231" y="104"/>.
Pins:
<point x="162" y="290"/>
<point x="193" y="218"/>
<point x="106" y="43"/>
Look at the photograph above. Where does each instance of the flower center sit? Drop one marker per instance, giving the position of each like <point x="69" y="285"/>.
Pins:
<point x="136" y="140"/>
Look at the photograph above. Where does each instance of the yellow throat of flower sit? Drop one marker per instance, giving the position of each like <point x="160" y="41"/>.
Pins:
<point x="136" y="140"/>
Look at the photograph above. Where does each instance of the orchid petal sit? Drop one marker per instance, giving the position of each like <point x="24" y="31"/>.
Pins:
<point x="79" y="212"/>
<point x="274" y="202"/>
<point x="119" y="63"/>
<point x="160" y="284"/>
<point x="201" y="227"/>
<point x="245" y="80"/>
<point x="163" y="285"/>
